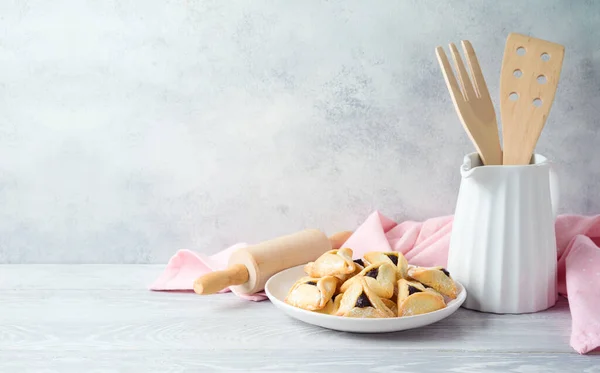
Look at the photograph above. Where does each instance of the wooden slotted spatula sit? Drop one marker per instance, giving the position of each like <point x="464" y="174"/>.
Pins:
<point x="472" y="102"/>
<point x="530" y="72"/>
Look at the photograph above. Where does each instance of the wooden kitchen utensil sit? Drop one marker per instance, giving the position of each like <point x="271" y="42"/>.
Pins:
<point x="472" y="102"/>
<point x="530" y="72"/>
<point x="249" y="268"/>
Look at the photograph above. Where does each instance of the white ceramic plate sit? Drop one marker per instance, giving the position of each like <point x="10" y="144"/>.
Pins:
<point x="278" y="286"/>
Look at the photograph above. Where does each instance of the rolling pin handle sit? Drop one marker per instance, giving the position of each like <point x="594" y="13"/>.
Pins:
<point x="214" y="282"/>
<point x="338" y="239"/>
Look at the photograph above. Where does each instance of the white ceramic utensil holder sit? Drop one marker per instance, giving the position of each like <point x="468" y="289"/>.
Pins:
<point x="503" y="243"/>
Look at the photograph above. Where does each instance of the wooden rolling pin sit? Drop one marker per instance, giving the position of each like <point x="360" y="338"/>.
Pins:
<point x="249" y="268"/>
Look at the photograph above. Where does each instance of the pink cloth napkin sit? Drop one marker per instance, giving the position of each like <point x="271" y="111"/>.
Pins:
<point x="426" y="244"/>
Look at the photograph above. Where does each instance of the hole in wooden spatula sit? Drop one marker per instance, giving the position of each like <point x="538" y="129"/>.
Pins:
<point x="537" y="102"/>
<point x="521" y="51"/>
<point x="513" y="96"/>
<point x="517" y="73"/>
<point x="541" y="79"/>
<point x="545" y="57"/>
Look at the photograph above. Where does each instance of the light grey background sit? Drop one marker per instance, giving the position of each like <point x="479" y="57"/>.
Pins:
<point x="131" y="129"/>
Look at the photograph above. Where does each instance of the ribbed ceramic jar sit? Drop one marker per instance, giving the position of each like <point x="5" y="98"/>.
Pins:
<point x="503" y="243"/>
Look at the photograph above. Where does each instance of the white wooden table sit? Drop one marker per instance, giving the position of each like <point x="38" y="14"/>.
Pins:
<point x="101" y="318"/>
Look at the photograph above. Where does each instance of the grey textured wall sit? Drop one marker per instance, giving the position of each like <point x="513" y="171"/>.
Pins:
<point x="131" y="129"/>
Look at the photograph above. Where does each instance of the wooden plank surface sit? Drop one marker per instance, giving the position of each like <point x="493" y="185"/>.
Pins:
<point x="356" y="360"/>
<point x="78" y="276"/>
<point x="102" y="319"/>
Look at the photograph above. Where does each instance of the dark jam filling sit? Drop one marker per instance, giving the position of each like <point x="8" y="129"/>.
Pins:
<point x="393" y="258"/>
<point x="412" y="290"/>
<point x="359" y="261"/>
<point x="373" y="273"/>
<point x="363" y="301"/>
<point x="311" y="283"/>
<point x="445" y="272"/>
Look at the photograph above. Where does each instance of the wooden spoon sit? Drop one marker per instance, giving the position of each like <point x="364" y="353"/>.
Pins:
<point x="530" y="72"/>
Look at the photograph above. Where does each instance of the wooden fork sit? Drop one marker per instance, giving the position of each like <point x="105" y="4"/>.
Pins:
<point x="472" y="102"/>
